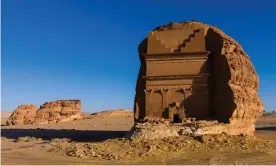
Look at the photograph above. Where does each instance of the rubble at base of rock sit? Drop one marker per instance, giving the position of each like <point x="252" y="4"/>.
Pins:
<point x="160" y="128"/>
<point x="127" y="149"/>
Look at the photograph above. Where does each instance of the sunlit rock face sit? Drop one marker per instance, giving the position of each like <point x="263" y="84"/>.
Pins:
<point x="180" y="62"/>
<point x="24" y="114"/>
<point x="58" y="111"/>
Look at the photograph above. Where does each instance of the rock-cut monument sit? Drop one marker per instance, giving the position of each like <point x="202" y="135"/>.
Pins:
<point x="194" y="70"/>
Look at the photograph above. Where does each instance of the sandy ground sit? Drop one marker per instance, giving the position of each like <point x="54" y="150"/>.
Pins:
<point x="266" y="126"/>
<point x="94" y="133"/>
<point x="4" y="116"/>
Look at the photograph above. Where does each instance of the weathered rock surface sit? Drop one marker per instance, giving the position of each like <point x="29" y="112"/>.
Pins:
<point x="155" y="128"/>
<point x="234" y="90"/>
<point x="152" y="131"/>
<point x="58" y="111"/>
<point x="24" y="114"/>
<point x="201" y="146"/>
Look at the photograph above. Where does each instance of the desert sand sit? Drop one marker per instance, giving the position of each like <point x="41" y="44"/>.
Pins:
<point x="48" y="144"/>
<point x="5" y="116"/>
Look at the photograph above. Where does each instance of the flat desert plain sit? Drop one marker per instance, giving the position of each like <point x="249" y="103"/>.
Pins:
<point x="99" y="140"/>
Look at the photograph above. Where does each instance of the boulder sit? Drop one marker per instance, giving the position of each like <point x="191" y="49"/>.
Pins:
<point x="58" y="111"/>
<point x="24" y="114"/>
<point x="149" y="130"/>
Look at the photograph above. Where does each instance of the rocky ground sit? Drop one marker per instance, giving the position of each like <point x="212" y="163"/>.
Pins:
<point x="98" y="139"/>
<point x="215" y="149"/>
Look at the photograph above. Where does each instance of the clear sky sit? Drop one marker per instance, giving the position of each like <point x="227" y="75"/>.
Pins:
<point x="87" y="49"/>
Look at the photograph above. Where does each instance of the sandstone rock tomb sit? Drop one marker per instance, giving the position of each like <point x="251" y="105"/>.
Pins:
<point x="194" y="70"/>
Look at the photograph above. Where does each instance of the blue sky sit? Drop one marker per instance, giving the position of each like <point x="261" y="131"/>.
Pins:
<point x="87" y="49"/>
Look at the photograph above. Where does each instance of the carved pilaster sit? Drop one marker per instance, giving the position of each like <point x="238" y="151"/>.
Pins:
<point x="167" y="96"/>
<point x="186" y="91"/>
<point x="148" y="93"/>
<point x="137" y="111"/>
<point x="183" y="91"/>
<point x="164" y="93"/>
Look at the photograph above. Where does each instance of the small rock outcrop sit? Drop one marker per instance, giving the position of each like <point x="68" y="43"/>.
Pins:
<point x="113" y="113"/>
<point x="24" y="114"/>
<point x="58" y="111"/>
<point x="119" y="112"/>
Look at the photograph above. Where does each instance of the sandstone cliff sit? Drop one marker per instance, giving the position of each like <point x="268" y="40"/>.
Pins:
<point x="58" y="111"/>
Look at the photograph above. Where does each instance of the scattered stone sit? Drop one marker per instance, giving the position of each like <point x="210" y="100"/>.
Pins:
<point x="152" y="130"/>
<point x="120" y="149"/>
<point x="27" y="139"/>
<point x="59" y="140"/>
<point x="149" y="130"/>
<point x="185" y="131"/>
<point x="204" y="138"/>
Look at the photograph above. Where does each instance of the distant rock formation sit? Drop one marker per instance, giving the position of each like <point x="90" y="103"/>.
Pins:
<point x="114" y="113"/>
<point x="119" y="112"/>
<point x="49" y="112"/>
<point x="58" y="111"/>
<point x="24" y="114"/>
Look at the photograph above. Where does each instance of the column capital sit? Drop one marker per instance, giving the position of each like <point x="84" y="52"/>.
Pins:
<point x="148" y="90"/>
<point x="164" y="90"/>
<point x="188" y="89"/>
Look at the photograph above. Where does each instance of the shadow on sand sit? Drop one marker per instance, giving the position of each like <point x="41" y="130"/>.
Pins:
<point x="74" y="135"/>
<point x="269" y="128"/>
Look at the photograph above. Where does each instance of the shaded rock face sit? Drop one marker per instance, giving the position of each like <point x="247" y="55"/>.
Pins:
<point x="58" y="111"/>
<point x="24" y="114"/>
<point x="233" y="84"/>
